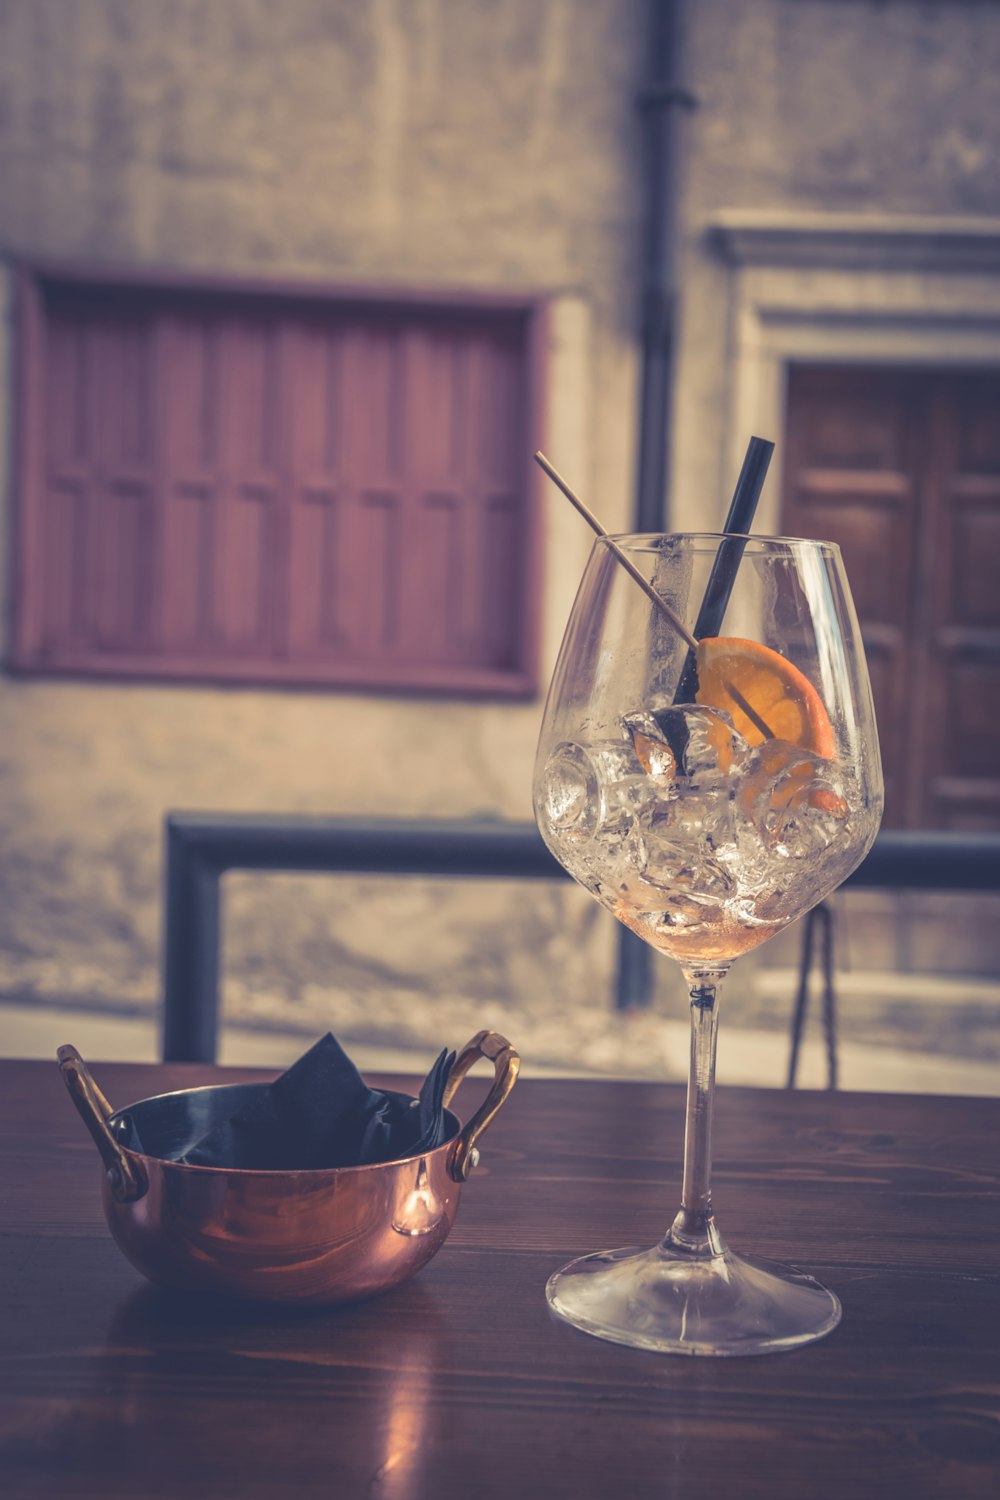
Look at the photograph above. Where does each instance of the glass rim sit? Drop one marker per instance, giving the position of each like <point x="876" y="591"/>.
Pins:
<point x="644" y="541"/>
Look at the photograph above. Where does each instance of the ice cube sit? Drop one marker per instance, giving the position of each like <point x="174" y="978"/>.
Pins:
<point x="702" y="741"/>
<point x="618" y="843"/>
<point x="651" y="747"/>
<point x="680" y="848"/>
<point x="816" y="825"/>
<point x="677" y="867"/>
<point x="569" y="803"/>
<point x="797" y="801"/>
<point x="775" y="773"/>
<point x="674" y="914"/>
<point x="577" y="788"/>
<point x="633" y="794"/>
<point x="698" y="814"/>
<point x="613" y="761"/>
<point x="686" y="913"/>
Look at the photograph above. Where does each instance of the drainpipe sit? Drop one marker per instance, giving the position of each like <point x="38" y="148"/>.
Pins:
<point x="657" y="103"/>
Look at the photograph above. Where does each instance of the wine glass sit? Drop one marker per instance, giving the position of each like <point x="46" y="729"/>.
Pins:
<point x="708" y="798"/>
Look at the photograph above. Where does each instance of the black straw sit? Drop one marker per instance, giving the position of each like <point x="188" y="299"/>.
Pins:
<point x="727" y="559"/>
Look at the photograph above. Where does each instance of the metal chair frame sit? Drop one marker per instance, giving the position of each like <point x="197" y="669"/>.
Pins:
<point x="202" y="847"/>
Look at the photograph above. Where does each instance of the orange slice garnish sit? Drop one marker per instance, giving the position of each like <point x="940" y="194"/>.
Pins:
<point x="777" y="693"/>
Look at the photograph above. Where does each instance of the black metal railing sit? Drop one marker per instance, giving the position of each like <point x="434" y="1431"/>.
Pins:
<point x="201" y="847"/>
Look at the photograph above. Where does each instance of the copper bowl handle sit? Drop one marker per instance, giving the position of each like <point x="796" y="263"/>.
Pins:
<point x="506" y="1062"/>
<point x="125" y="1174"/>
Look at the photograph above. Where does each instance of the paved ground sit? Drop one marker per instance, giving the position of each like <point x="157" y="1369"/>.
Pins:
<point x="646" y="1045"/>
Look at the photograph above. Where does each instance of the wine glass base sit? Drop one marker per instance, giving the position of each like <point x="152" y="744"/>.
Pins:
<point x="675" y="1303"/>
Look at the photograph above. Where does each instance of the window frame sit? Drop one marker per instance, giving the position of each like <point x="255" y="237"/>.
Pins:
<point x="34" y="279"/>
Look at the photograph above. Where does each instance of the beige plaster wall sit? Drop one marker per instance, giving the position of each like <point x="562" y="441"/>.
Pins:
<point x="411" y="142"/>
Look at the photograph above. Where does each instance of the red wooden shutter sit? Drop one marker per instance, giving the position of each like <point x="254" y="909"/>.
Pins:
<point x="117" y="558"/>
<point x="290" y="490"/>
<point x="185" y="583"/>
<point x="247" y="485"/>
<point x="65" y="489"/>
<point x="407" y="475"/>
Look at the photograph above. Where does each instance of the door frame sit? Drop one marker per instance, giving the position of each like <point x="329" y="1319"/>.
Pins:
<point x="848" y="289"/>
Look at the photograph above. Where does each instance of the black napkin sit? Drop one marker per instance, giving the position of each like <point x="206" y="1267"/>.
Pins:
<point x="321" y="1113"/>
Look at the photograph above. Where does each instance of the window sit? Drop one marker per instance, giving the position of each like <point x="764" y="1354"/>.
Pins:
<point x="276" y="486"/>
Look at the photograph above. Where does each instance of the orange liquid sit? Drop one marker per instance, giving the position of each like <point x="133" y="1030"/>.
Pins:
<point x="717" y="941"/>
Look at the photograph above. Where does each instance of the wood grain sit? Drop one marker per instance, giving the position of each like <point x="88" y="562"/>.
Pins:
<point x="458" y="1384"/>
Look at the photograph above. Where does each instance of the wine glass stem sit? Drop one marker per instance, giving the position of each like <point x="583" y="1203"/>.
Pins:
<point x="693" y="1230"/>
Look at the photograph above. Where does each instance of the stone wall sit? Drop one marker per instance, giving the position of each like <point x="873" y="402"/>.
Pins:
<point x="428" y="143"/>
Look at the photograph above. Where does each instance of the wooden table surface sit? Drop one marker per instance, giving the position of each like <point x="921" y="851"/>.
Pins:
<point x="459" y="1385"/>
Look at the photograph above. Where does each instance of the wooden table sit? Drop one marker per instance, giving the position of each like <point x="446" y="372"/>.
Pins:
<point x="458" y="1385"/>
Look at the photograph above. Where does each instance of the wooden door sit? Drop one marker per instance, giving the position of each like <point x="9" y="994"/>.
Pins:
<point x="902" y="469"/>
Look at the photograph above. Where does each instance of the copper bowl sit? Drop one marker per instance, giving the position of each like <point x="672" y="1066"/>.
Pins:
<point x="334" y="1235"/>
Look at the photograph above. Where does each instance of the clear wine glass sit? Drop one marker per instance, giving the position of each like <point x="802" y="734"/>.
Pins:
<point x="706" y="825"/>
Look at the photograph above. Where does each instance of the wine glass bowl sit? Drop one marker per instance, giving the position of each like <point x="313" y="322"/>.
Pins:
<point x="707" y="799"/>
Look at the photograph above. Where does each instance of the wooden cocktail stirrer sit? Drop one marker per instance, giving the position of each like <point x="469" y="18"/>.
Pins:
<point x="647" y="588"/>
